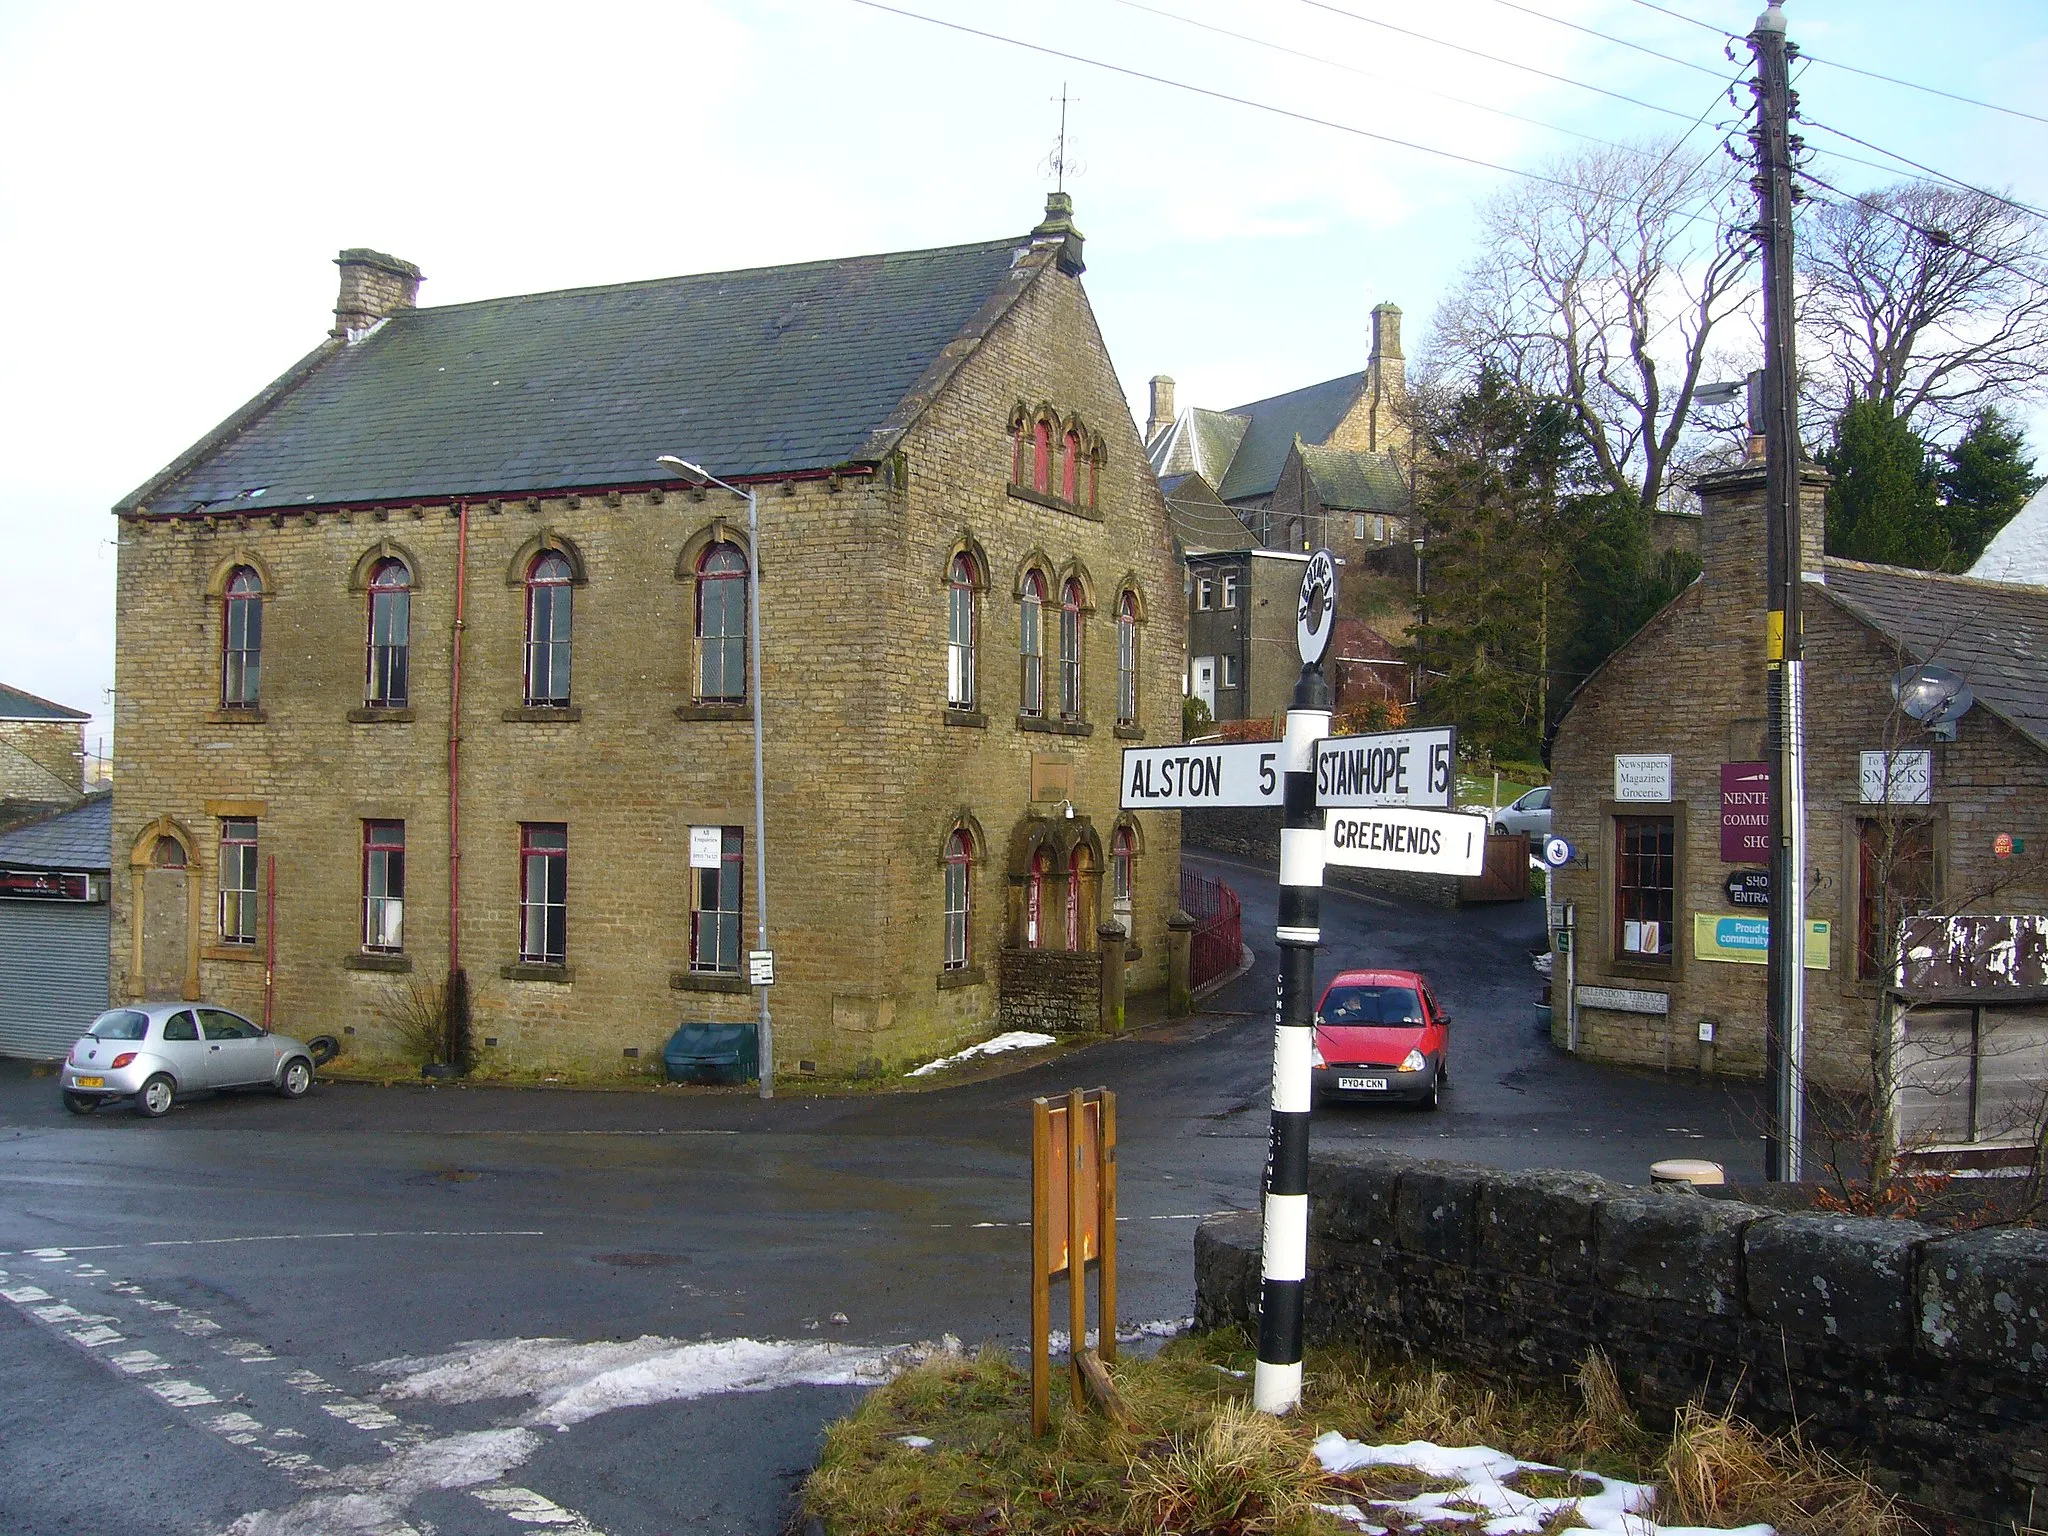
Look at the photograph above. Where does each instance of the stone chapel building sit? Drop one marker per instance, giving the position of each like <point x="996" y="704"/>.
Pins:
<point x="422" y="662"/>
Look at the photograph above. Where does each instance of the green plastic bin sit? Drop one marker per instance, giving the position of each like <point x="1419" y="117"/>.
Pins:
<point x="713" y="1053"/>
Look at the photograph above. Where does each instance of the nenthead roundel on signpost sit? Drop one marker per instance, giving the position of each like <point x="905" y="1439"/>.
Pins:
<point x="1316" y="617"/>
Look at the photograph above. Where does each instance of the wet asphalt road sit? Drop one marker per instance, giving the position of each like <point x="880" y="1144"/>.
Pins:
<point x="265" y="1254"/>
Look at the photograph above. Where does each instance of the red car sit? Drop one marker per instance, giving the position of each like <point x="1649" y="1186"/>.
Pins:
<point x="1380" y="1035"/>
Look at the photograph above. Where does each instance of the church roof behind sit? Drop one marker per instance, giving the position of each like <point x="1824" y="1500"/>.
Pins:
<point x="1241" y="451"/>
<point x="1352" y="480"/>
<point x="772" y="370"/>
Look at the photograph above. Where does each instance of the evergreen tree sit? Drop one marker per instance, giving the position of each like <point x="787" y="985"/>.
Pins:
<point x="1882" y="506"/>
<point x="1618" y="585"/>
<point x="1987" y="477"/>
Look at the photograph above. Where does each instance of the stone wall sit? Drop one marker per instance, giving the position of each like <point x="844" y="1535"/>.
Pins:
<point x="1924" y="1353"/>
<point x="39" y="760"/>
<point x="1052" y="991"/>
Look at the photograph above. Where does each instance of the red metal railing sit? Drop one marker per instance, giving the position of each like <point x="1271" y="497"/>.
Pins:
<point x="1218" y="936"/>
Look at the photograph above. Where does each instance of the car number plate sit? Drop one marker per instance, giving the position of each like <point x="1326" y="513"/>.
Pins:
<point x="89" y="1082"/>
<point x="1365" y="1084"/>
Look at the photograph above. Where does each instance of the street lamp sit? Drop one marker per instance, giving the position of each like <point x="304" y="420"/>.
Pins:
<point x="698" y="476"/>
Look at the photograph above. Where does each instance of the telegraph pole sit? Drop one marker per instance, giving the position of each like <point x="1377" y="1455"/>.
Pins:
<point x="1785" y="1028"/>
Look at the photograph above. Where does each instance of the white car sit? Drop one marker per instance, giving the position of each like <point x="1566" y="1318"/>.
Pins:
<point x="154" y="1053"/>
<point x="1530" y="814"/>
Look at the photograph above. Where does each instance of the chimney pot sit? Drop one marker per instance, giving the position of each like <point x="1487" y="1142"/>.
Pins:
<point x="374" y="287"/>
<point x="1162" y="406"/>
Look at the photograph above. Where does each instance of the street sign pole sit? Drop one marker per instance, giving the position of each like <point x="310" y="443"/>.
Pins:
<point x="1276" y="1383"/>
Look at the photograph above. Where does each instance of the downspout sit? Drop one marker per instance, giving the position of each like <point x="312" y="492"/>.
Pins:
<point x="455" y="739"/>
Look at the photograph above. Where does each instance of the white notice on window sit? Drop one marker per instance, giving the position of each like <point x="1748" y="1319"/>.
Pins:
<point x="706" y="846"/>
<point x="1642" y="776"/>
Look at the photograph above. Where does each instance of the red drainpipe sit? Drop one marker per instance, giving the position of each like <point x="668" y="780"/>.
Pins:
<point x="455" y="742"/>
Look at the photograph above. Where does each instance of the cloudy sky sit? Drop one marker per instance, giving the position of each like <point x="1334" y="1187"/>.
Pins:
<point x="178" y="179"/>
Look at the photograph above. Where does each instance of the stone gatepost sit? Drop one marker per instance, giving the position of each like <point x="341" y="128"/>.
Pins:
<point x="1180" y="941"/>
<point x="1110" y="940"/>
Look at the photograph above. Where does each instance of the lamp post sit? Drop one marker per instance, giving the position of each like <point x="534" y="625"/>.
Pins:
<point x="699" y="476"/>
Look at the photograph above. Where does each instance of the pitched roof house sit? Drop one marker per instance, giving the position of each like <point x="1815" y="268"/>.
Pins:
<point x="473" y="684"/>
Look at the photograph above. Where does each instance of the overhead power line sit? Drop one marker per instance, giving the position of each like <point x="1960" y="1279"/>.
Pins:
<point x="1213" y="95"/>
<point x="1491" y="58"/>
<point x="1953" y="181"/>
<point x="1605" y="37"/>
<point x="1939" y="238"/>
<point x="1706" y="26"/>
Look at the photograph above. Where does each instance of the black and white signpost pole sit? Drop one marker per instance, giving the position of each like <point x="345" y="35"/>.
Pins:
<point x="1276" y="1386"/>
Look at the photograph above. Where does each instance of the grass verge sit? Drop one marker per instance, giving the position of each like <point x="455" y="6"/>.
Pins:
<point x="1193" y="1457"/>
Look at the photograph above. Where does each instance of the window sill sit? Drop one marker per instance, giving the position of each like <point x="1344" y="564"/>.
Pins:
<point x="237" y="717"/>
<point x="543" y="714"/>
<point x="714" y="712"/>
<point x="528" y="971"/>
<point x="1054" y="727"/>
<point x="1057" y="503"/>
<point x="965" y="976"/>
<point x="706" y="981"/>
<point x="1130" y="733"/>
<point x="1637" y="970"/>
<point x="973" y="719"/>
<point x="380" y="714"/>
<point x="393" y="965"/>
<point x="245" y="954"/>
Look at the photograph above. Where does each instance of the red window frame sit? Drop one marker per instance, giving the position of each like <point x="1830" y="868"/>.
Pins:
<point x="1123" y="851"/>
<point x="1127" y="658"/>
<point x="716" y="895"/>
<point x="241" y="640"/>
<point x="550" y="589"/>
<point x="237" y="864"/>
<point x="722" y="656"/>
<point x="387" y="679"/>
<point x="384" y="886"/>
<point x="959" y="900"/>
<point x="1071" y="648"/>
<point x="1041" y="456"/>
<point x="1070" y="464"/>
<point x="1646" y="884"/>
<point x="1074" y="877"/>
<point x="963" y="625"/>
<point x="1031" y="646"/>
<point x="543" y="892"/>
<point x="1883" y="903"/>
<point x="1034" y="899"/>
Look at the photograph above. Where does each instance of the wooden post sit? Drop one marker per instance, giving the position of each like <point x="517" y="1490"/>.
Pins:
<point x="1077" y="1229"/>
<point x="1105" y="1276"/>
<point x="1041" y="1264"/>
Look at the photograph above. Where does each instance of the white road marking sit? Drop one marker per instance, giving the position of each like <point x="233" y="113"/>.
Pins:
<point x="22" y="1295"/>
<point x="183" y="1394"/>
<point x="47" y="1255"/>
<point x="530" y="1508"/>
<point x="95" y="1336"/>
<point x="140" y="1362"/>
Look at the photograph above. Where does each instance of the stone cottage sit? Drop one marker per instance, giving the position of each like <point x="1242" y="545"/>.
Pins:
<point x="1658" y="783"/>
<point x="423" y="662"/>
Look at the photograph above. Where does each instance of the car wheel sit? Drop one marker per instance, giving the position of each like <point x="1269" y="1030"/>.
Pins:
<point x="1434" y="1097"/>
<point x="153" y="1101"/>
<point x="81" y="1103"/>
<point x="296" y="1078"/>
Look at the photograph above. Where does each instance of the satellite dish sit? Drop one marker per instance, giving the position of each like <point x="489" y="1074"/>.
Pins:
<point x="1934" y="695"/>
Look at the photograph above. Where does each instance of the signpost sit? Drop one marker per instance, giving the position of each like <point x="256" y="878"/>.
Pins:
<point x="1401" y="837"/>
<point x="1388" y="768"/>
<point x="1187" y="778"/>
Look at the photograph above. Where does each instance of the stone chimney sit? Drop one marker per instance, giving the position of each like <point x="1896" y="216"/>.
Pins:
<point x="1058" y="227"/>
<point x="1733" y="565"/>
<point x="373" y="287"/>
<point x="1162" y="407"/>
<point x="1386" y="380"/>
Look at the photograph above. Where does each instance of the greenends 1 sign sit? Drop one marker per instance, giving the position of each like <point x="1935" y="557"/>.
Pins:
<point x="1402" y="837"/>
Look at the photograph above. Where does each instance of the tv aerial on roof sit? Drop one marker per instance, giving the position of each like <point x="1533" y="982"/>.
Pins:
<point x="1934" y="695"/>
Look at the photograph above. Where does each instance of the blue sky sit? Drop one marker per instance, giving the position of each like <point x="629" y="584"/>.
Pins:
<point x="179" y="179"/>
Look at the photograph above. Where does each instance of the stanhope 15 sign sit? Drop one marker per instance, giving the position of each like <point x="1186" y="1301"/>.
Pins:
<point x="1388" y="768"/>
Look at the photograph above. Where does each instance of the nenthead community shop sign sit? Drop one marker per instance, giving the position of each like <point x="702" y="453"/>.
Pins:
<point x="1745" y="813"/>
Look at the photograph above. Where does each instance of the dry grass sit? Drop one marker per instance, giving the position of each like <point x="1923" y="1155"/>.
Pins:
<point x="1193" y="1458"/>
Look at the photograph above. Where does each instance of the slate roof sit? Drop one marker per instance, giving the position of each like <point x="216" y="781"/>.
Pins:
<point x="1994" y="633"/>
<point x="773" y="370"/>
<point x="1199" y="442"/>
<point x="16" y="705"/>
<point x="80" y="838"/>
<point x="1351" y="480"/>
<point x="1310" y="414"/>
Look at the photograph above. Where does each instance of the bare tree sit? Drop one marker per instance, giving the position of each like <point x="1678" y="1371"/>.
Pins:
<point x="1603" y="286"/>
<point x="1930" y="299"/>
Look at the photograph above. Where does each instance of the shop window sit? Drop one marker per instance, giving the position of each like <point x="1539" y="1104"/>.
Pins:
<point x="543" y="893"/>
<point x="241" y="670"/>
<point x="1031" y="646"/>
<point x="1127" y="658"/>
<point x="1894" y="881"/>
<point x="962" y="624"/>
<point x="1645" y="882"/>
<point x="384" y="886"/>
<point x="388" y="686"/>
<point x="238" y="880"/>
<point x="959" y="900"/>
<point x="550" y="596"/>
<point x="1071" y="615"/>
<point x="715" y="909"/>
<point x="722" y="625"/>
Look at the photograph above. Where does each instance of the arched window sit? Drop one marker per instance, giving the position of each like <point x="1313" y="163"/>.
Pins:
<point x="549" y="596"/>
<point x="241" y="640"/>
<point x="1094" y="476"/>
<point x="1081" y="898"/>
<point x="1070" y="464"/>
<point x="960" y="632"/>
<point x="390" y="635"/>
<point x="1070" y="650"/>
<point x="722" y="625"/>
<point x="1041" y="455"/>
<point x="1031" y="646"/>
<point x="959" y="899"/>
<point x="1034" y="899"/>
<point x="1017" y="439"/>
<point x="1127" y="658"/>
<point x="1123" y="851"/>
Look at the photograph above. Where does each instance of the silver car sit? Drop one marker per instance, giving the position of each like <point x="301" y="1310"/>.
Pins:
<point x="154" y="1053"/>
<point x="1530" y="814"/>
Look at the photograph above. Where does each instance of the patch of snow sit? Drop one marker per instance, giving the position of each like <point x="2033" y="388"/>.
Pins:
<point x="1610" y="1505"/>
<point x="1127" y="1333"/>
<point x="915" y="1442"/>
<point x="573" y="1382"/>
<point x="1014" y="1040"/>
